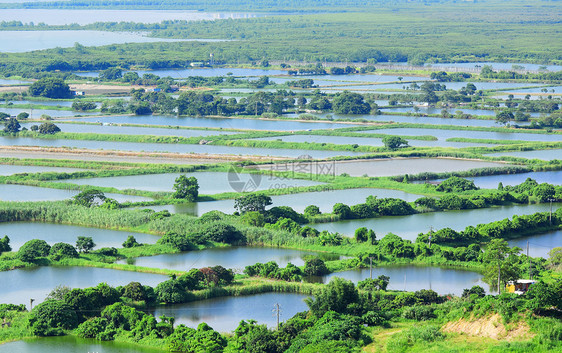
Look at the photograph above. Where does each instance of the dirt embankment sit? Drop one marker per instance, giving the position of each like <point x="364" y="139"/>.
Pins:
<point x="123" y="156"/>
<point x="491" y="327"/>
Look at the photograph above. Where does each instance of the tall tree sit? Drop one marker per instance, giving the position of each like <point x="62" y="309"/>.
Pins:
<point x="501" y="263"/>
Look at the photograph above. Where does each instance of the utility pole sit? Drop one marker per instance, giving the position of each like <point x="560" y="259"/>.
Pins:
<point x="430" y="234"/>
<point x="371" y="267"/>
<point x="499" y="277"/>
<point x="530" y="274"/>
<point x="277" y="311"/>
<point x="31" y="303"/>
<point x="550" y="216"/>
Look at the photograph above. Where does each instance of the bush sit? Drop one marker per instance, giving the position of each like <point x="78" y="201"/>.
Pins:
<point x="48" y="129"/>
<point x="33" y="249"/>
<point x="131" y="242"/>
<point x="51" y="317"/>
<point x="50" y="87"/>
<point x="456" y="184"/>
<point x="315" y="267"/>
<point x="62" y="250"/>
<point x="178" y="241"/>
<point x="224" y="233"/>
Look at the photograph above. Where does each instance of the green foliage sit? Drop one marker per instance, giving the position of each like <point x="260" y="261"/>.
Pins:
<point x="272" y="270"/>
<point x="456" y="184"/>
<point x="331" y="326"/>
<point x="394" y="142"/>
<point x="501" y="263"/>
<point x="137" y="292"/>
<point x="33" y="249"/>
<point x="223" y="233"/>
<point x="402" y="341"/>
<point x="94" y="328"/>
<point x="12" y="126"/>
<point x="252" y="202"/>
<point x="311" y="211"/>
<point x="204" y="339"/>
<point x="315" y="267"/>
<point x="85" y="244"/>
<point x="171" y="291"/>
<point x="186" y="188"/>
<point x="253" y="218"/>
<point x="131" y="242"/>
<point x="48" y="128"/>
<point x="181" y="242"/>
<point x="350" y="103"/>
<point x="336" y="296"/>
<point x="5" y="245"/>
<point x="50" y="87"/>
<point x="62" y="250"/>
<point x="342" y="210"/>
<point x="375" y="284"/>
<point x="51" y="318"/>
<point x="89" y="198"/>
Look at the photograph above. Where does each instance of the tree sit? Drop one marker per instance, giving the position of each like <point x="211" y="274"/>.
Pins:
<point x="315" y="267"/>
<point x="456" y="184"/>
<point x="186" y="188"/>
<point x="22" y="116"/>
<point x="171" y="292"/>
<point x="555" y="256"/>
<point x="350" y="103"/>
<point x="62" y="250"/>
<point x="501" y="263"/>
<point x="342" y="210"/>
<point x="504" y="117"/>
<point x="51" y="317"/>
<point x="336" y="296"/>
<point x="48" y="129"/>
<point x="253" y="218"/>
<point x="33" y="249"/>
<point x="372" y="284"/>
<point x="50" y="87"/>
<point x="223" y="233"/>
<point x="5" y="244"/>
<point x="394" y="142"/>
<point x="89" y="197"/>
<point x="131" y="242"/>
<point x="85" y="244"/>
<point x="12" y="126"/>
<point x="58" y="292"/>
<point x="112" y="73"/>
<point x="252" y="202"/>
<point x="312" y="210"/>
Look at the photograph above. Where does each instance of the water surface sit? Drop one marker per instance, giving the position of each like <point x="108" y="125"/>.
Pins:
<point x="227" y="123"/>
<point x="236" y="258"/>
<point x="224" y="314"/>
<point x="13" y="192"/>
<point x="391" y="167"/>
<point x="25" y="41"/>
<point x="209" y="182"/>
<point x="84" y="17"/>
<point x="18" y="286"/>
<point x="408" y="227"/>
<point x="546" y="155"/>
<point x="9" y="169"/>
<point x="174" y="148"/>
<point x="412" y="278"/>
<point x="21" y="232"/>
<point x="71" y="344"/>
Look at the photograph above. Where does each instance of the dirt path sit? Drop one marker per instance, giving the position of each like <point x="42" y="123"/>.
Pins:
<point x="120" y="156"/>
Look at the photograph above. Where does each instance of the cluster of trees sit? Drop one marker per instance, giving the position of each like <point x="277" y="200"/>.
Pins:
<point x="35" y="249"/>
<point x="499" y="229"/>
<point x="543" y="192"/>
<point x="220" y="232"/>
<point x="272" y="270"/>
<point x="50" y="87"/>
